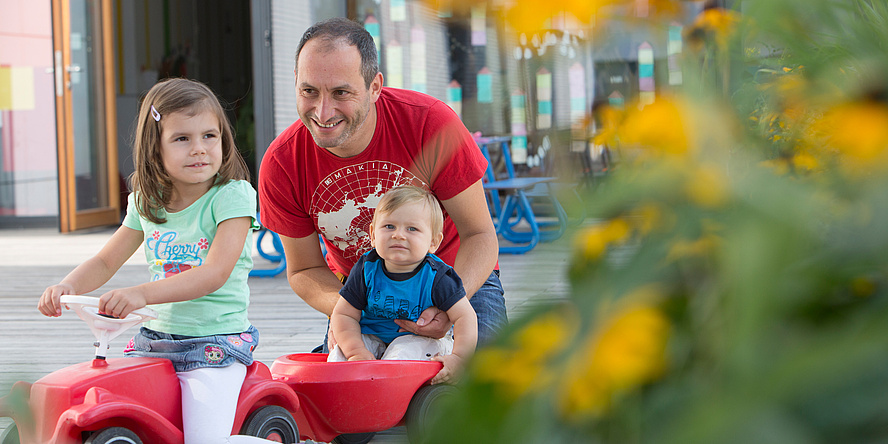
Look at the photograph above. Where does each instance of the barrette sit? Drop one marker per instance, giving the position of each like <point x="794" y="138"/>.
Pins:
<point x="155" y="114"/>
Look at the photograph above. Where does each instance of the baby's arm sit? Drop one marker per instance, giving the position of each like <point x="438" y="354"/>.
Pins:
<point x="94" y="272"/>
<point x="190" y="284"/>
<point x="345" y="325"/>
<point x="465" y="337"/>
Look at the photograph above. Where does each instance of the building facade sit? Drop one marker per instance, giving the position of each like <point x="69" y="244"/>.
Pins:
<point x="72" y="73"/>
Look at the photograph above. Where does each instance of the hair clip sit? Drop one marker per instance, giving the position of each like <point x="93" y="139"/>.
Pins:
<point x="155" y="114"/>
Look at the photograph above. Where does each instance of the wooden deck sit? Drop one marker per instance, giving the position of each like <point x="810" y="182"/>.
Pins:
<point x="34" y="345"/>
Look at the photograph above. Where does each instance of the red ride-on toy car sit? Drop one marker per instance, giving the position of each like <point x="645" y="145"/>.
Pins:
<point x="131" y="400"/>
<point x="345" y="402"/>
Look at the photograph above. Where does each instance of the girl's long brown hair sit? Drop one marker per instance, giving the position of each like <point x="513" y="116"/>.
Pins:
<point x="150" y="180"/>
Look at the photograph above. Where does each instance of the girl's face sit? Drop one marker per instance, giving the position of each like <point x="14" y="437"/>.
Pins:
<point x="191" y="147"/>
<point x="404" y="236"/>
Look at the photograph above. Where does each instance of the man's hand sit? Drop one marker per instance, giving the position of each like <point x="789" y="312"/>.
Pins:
<point x="432" y="323"/>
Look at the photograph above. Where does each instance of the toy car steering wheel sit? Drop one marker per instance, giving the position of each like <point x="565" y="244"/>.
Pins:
<point x="104" y="327"/>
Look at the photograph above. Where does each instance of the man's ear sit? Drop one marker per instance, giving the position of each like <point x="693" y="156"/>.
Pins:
<point x="376" y="86"/>
<point x="436" y="242"/>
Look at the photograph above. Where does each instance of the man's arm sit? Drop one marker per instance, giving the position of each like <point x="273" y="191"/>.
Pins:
<point x="478" y="245"/>
<point x="308" y="274"/>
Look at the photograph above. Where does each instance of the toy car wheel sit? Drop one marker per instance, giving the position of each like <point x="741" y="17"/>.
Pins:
<point x="423" y="410"/>
<point x="273" y="423"/>
<point x="354" y="438"/>
<point x="113" y="435"/>
<point x="10" y="435"/>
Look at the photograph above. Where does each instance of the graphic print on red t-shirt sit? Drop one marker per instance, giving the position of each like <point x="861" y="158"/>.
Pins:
<point x="343" y="203"/>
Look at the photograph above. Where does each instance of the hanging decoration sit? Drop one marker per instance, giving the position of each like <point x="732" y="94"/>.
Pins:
<point x="616" y="100"/>
<point x="394" y="64"/>
<point x="372" y="27"/>
<point x="454" y="97"/>
<point x="544" y="98"/>
<point x="485" y="86"/>
<point x="577" y="86"/>
<point x="645" y="74"/>
<point x="418" y="76"/>
<point x="673" y="52"/>
<point x="519" y="127"/>
<point x="398" y="10"/>
<point x="479" y="24"/>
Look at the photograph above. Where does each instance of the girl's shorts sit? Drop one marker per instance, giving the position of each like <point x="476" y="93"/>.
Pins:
<point x="191" y="352"/>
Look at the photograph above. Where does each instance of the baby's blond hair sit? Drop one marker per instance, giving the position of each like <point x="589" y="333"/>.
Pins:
<point x="406" y="194"/>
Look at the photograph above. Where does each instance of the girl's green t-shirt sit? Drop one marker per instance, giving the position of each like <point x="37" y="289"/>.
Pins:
<point x="182" y="243"/>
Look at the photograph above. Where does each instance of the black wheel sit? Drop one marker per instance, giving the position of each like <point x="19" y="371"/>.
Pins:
<point x="354" y="438"/>
<point x="10" y="435"/>
<point x="273" y="423"/>
<point x="423" y="410"/>
<point x="113" y="435"/>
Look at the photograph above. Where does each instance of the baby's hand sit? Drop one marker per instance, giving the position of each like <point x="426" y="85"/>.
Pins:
<point x="120" y="303"/>
<point x="49" y="303"/>
<point x="453" y="366"/>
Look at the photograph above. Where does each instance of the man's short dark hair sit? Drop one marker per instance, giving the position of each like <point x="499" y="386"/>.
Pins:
<point x="352" y="32"/>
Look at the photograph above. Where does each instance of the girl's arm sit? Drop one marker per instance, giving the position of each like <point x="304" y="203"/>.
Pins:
<point x="94" y="272"/>
<point x="190" y="284"/>
<point x="465" y="338"/>
<point x="345" y="325"/>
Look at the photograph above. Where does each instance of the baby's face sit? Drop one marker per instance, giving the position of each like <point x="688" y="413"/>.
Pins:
<point x="404" y="236"/>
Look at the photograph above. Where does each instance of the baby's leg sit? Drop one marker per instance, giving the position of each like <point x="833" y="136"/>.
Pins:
<point x="372" y="342"/>
<point x="418" y="347"/>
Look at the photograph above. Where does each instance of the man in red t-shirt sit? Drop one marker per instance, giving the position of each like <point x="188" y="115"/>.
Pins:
<point x="354" y="141"/>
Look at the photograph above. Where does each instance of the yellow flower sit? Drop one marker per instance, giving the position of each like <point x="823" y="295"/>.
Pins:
<point x="594" y="240"/>
<point x="523" y="366"/>
<point x="650" y="217"/>
<point x="805" y="162"/>
<point x="532" y="15"/>
<point x="706" y="187"/>
<point x="628" y="350"/>
<point x="716" y="24"/>
<point x="858" y="131"/>
<point x="701" y="247"/>
<point x="511" y="373"/>
<point x="659" y="127"/>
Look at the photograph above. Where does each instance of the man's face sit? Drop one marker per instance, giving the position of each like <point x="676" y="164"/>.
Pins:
<point x="331" y="98"/>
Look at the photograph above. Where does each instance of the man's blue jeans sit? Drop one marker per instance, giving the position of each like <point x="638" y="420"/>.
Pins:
<point x="490" y="306"/>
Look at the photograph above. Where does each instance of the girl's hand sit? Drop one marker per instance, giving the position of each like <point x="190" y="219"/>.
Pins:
<point x="49" y="303"/>
<point x="119" y="303"/>
<point x="453" y="366"/>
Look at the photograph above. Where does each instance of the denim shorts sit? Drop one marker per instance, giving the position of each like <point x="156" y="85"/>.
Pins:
<point x="192" y="352"/>
<point x="489" y="303"/>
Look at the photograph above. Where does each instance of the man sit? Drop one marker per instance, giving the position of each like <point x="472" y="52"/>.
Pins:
<point x="354" y="141"/>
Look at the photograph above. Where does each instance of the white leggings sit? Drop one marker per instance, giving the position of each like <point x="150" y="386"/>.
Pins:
<point x="209" y="401"/>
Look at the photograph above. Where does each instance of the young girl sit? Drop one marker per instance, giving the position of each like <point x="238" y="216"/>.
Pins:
<point x="193" y="208"/>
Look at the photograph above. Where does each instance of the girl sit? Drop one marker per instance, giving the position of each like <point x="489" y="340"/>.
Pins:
<point x="193" y="208"/>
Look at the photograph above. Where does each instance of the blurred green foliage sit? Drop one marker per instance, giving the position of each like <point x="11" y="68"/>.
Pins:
<point x="731" y="285"/>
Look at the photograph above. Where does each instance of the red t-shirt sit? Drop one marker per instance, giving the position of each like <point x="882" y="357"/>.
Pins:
<point x="418" y="140"/>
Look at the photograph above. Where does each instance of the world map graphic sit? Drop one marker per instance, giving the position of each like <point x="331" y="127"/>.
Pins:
<point x="344" y="202"/>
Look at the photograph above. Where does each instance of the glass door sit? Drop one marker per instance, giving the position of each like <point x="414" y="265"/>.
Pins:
<point x="89" y="184"/>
